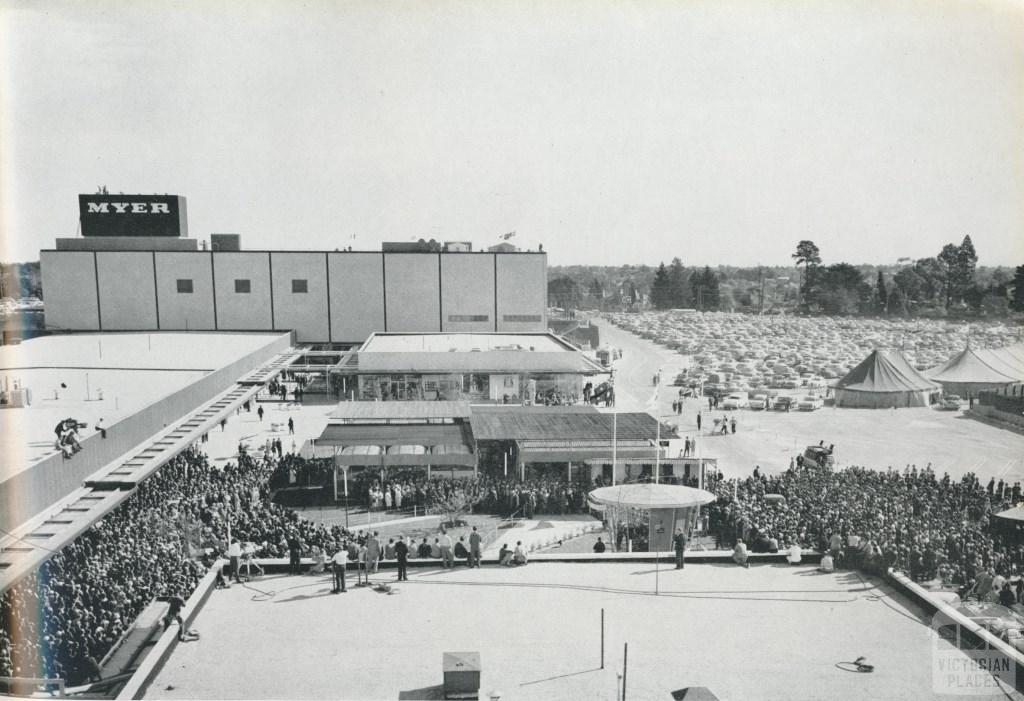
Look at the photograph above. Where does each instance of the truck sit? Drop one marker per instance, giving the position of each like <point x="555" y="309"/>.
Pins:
<point x="819" y="456"/>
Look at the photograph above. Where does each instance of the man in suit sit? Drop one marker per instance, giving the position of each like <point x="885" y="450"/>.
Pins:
<point x="474" y="548"/>
<point x="679" y="541"/>
<point x="402" y="554"/>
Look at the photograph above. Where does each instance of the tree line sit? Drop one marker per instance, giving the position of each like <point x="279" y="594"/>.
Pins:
<point x="949" y="283"/>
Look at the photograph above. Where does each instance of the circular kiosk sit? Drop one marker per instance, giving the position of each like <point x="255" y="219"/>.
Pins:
<point x="645" y="516"/>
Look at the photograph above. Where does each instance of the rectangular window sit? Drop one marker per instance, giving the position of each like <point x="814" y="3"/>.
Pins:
<point x="468" y="317"/>
<point x="300" y="286"/>
<point x="184" y="286"/>
<point x="523" y="318"/>
<point x="243" y="286"/>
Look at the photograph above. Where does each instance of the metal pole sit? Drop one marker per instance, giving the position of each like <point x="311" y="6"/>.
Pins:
<point x="625" y="658"/>
<point x="615" y="436"/>
<point x="506" y="463"/>
<point x="344" y="475"/>
<point x="602" y="638"/>
<point x="657" y="554"/>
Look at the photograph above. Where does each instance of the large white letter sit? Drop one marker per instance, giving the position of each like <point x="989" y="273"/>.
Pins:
<point x="158" y="207"/>
<point x="121" y="207"/>
<point x="138" y="208"/>
<point x="100" y="207"/>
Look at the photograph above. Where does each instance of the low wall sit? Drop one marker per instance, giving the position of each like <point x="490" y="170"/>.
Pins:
<point x="30" y="491"/>
<point x="990" y="412"/>
<point x="924" y="598"/>
<point x="154" y="661"/>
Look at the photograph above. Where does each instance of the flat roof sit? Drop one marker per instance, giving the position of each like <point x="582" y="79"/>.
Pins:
<point x="383" y="411"/>
<point x="129" y="370"/>
<point x="526" y="423"/>
<point x="771" y="632"/>
<point x="462" y="343"/>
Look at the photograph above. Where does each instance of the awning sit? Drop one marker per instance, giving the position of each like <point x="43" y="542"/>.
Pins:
<point x="580" y="451"/>
<point x="359" y="455"/>
<point x="399" y="434"/>
<point x="651" y="496"/>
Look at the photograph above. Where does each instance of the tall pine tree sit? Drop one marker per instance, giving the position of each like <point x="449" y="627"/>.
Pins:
<point x="660" y="289"/>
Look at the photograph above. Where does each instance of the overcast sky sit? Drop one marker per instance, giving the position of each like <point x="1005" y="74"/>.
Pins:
<point x="610" y="132"/>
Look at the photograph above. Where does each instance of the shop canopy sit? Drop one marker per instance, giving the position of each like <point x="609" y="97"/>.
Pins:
<point x="651" y="496"/>
<point x="400" y="444"/>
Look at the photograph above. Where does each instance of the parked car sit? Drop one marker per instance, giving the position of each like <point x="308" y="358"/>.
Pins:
<point x="736" y="400"/>
<point x="759" y="402"/>
<point x="950" y="402"/>
<point x="783" y="403"/>
<point x="810" y="403"/>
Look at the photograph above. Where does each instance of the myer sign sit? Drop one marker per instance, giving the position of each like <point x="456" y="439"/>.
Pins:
<point x="132" y="215"/>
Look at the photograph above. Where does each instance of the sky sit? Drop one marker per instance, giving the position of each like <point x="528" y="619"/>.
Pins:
<point x="608" y="132"/>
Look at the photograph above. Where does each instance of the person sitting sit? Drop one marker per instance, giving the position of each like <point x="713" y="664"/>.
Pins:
<point x="435" y="549"/>
<point x="389" y="550"/>
<point x="520" y="557"/>
<point x="599" y="545"/>
<point x="794" y="554"/>
<point x="505" y="556"/>
<point x="828" y="565"/>
<point x="460" y="550"/>
<point x="424" y="549"/>
<point x="739" y="554"/>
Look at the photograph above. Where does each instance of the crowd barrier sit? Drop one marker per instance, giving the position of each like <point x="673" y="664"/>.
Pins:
<point x="30" y="491"/>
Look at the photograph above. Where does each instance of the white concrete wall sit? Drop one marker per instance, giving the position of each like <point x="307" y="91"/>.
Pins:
<point x="305" y="313"/>
<point x="357" y="295"/>
<point x="467" y="289"/>
<point x="127" y="293"/>
<point x="522" y="291"/>
<point x="412" y="292"/>
<point x="241" y="311"/>
<point x="183" y="311"/>
<point x="69" y="286"/>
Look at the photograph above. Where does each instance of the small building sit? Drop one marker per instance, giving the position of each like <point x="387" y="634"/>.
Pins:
<point x="452" y="438"/>
<point x="531" y="368"/>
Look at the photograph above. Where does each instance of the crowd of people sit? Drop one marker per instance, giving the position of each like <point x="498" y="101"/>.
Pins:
<point x="63" y="619"/>
<point x="501" y="496"/>
<point x="913" y="520"/>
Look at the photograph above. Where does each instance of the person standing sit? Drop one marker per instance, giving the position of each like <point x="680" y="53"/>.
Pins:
<point x="291" y="426"/>
<point x="698" y="421"/>
<point x="447" y="557"/>
<point x="732" y="424"/>
<point x="474" y="548"/>
<point x="234" y="555"/>
<point x="402" y="555"/>
<point x="259" y="413"/>
<point x="294" y="553"/>
<point x="686" y="448"/>
<point x="679" y="541"/>
<point x="372" y="554"/>
<point x="340" y="562"/>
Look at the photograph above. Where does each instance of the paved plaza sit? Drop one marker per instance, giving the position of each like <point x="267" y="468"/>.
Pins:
<point x="768" y="632"/>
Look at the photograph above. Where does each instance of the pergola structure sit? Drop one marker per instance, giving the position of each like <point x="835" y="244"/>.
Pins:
<point x="387" y="434"/>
